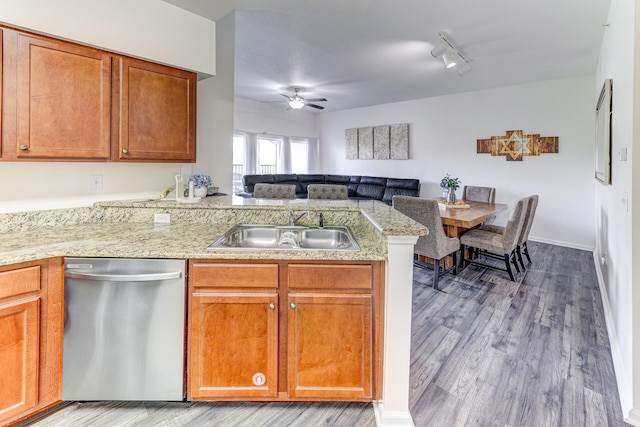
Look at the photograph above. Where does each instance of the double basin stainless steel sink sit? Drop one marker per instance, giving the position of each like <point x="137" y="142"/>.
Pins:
<point x="252" y="236"/>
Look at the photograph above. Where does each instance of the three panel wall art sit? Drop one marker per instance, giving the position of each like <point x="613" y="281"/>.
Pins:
<point x="387" y="142"/>
<point x="514" y="145"/>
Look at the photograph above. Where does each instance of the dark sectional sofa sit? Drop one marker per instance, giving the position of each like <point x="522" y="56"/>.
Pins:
<point x="360" y="187"/>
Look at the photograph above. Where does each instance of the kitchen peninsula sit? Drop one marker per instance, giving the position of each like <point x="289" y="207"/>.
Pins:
<point x="126" y="229"/>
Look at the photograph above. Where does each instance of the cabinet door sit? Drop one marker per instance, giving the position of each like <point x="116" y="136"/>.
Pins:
<point x="19" y="347"/>
<point x="330" y="345"/>
<point x="233" y="345"/>
<point x="63" y="100"/>
<point x="157" y="112"/>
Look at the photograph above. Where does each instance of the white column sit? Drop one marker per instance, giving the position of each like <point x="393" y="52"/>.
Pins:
<point x="393" y="409"/>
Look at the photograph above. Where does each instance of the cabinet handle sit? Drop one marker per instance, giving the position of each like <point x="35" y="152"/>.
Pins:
<point x="272" y="306"/>
<point x="293" y="305"/>
<point x="125" y="151"/>
<point x="23" y="147"/>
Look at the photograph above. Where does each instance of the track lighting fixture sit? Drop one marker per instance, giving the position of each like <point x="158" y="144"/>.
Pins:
<point x="451" y="55"/>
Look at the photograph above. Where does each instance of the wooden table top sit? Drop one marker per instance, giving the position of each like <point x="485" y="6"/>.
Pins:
<point x="472" y="217"/>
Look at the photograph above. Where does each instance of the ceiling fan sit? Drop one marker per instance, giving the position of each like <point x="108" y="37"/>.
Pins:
<point x="296" y="102"/>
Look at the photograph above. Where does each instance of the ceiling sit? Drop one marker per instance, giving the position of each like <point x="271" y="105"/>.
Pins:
<point x="358" y="53"/>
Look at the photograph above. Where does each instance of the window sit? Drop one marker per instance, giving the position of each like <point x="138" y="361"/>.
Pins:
<point x="299" y="156"/>
<point x="238" y="161"/>
<point x="268" y="154"/>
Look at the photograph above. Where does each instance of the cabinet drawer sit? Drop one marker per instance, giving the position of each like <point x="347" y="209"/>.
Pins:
<point x="305" y="276"/>
<point x="235" y="275"/>
<point x="20" y="281"/>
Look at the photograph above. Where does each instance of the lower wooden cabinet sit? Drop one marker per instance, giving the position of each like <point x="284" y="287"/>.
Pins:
<point x="234" y="345"/>
<point x="19" y="333"/>
<point x="330" y="346"/>
<point x="31" y="335"/>
<point x="284" y="330"/>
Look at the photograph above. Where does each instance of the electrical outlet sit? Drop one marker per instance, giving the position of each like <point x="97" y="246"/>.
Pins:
<point x="163" y="218"/>
<point x="95" y="182"/>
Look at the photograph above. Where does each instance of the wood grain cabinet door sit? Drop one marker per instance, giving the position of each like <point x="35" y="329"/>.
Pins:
<point x="63" y="100"/>
<point x="19" y="349"/>
<point x="157" y="112"/>
<point x="233" y="345"/>
<point x="330" y="345"/>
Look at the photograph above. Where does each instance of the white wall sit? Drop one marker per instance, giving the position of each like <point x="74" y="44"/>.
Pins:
<point x="150" y="29"/>
<point x="273" y="119"/>
<point x="614" y="223"/>
<point x="215" y="112"/>
<point x="442" y="139"/>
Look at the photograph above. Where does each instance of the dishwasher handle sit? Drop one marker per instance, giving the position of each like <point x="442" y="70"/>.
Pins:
<point x="124" y="277"/>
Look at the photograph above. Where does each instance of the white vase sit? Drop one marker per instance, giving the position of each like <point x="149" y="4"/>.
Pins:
<point x="200" y="191"/>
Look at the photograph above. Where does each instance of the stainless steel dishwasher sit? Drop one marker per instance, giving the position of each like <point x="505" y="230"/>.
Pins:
<point x="124" y="329"/>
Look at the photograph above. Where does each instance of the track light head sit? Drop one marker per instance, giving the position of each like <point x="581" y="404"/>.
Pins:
<point x="464" y="68"/>
<point x="450" y="59"/>
<point x="441" y="48"/>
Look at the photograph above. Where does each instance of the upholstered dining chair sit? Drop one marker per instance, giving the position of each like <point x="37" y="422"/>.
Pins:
<point x="435" y="245"/>
<point x="274" y="191"/>
<point x="524" y="234"/>
<point x="489" y="242"/>
<point x="479" y="194"/>
<point x="327" y="191"/>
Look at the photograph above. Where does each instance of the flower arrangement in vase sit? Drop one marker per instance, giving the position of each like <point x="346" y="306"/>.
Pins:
<point x="450" y="185"/>
<point x="201" y="184"/>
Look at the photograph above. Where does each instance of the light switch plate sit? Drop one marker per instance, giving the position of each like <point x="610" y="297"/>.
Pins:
<point x="622" y="154"/>
<point x="95" y="182"/>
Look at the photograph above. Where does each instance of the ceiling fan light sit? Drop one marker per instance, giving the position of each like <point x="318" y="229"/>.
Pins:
<point x="296" y="103"/>
<point x="450" y="59"/>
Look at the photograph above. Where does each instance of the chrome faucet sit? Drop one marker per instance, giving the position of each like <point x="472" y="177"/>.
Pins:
<point x="320" y="219"/>
<point x="293" y="218"/>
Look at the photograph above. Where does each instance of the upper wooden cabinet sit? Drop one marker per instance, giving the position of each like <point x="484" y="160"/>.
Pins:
<point x="157" y="112"/>
<point x="64" y="101"/>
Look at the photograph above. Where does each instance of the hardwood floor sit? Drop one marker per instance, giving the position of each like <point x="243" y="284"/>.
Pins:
<point x="485" y="352"/>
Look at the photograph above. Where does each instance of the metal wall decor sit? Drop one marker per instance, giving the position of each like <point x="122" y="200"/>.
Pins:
<point x="514" y="145"/>
<point x="378" y="142"/>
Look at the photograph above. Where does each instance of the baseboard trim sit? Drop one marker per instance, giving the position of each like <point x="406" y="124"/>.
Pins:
<point x="625" y="389"/>
<point x="633" y="418"/>
<point x="391" y="418"/>
<point x="564" y="244"/>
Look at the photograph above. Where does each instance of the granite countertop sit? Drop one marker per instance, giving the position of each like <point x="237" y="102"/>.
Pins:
<point x="124" y="229"/>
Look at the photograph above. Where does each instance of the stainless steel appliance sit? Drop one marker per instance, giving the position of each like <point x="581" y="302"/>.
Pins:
<point x="123" y="329"/>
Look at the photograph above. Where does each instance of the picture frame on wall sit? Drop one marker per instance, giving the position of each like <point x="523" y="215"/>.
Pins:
<point x="603" y="134"/>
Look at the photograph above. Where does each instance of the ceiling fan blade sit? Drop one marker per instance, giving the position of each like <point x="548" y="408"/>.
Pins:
<point x="286" y="96"/>
<point x="319" y="107"/>
<point x="316" y="99"/>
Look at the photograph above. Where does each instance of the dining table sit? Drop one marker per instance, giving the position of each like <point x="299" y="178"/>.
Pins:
<point x="457" y="219"/>
<point x="468" y="214"/>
